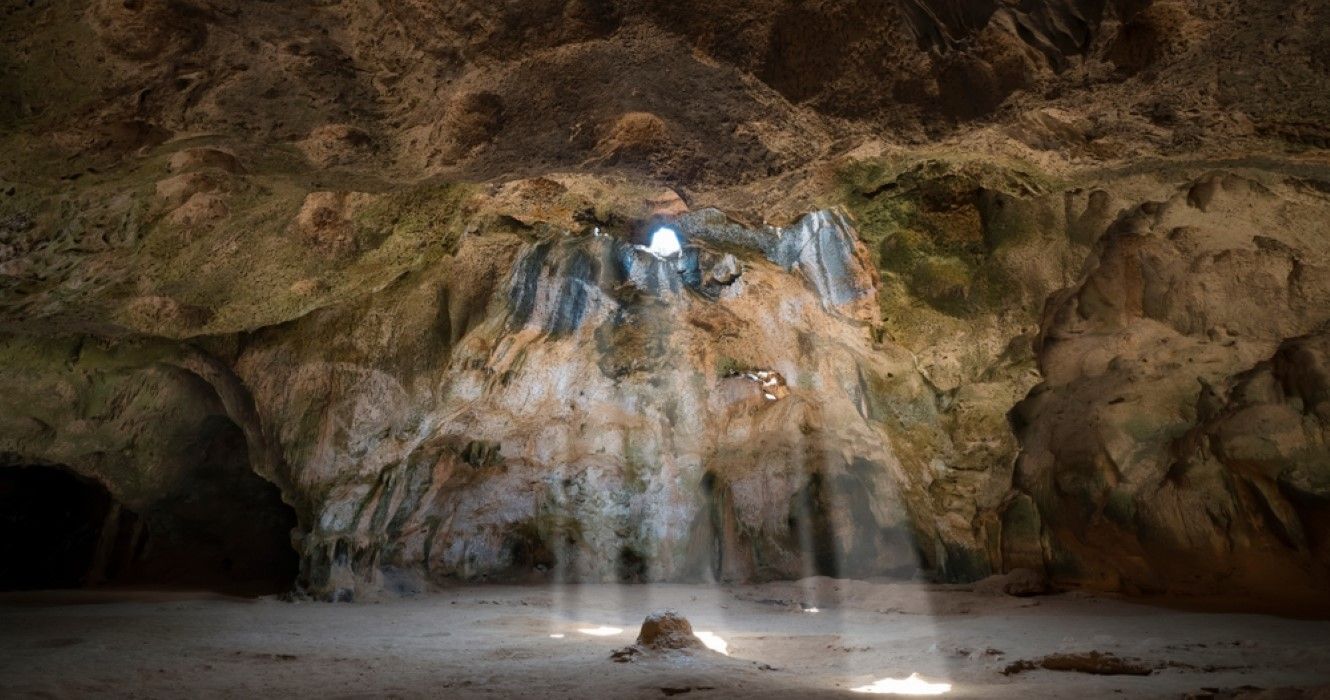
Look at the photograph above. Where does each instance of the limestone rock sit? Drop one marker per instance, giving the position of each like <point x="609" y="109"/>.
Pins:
<point x="145" y="29"/>
<point x="201" y="208"/>
<point x="160" y="313"/>
<point x="1160" y="400"/>
<point x="1024" y="583"/>
<point x="1093" y="662"/>
<point x="725" y="271"/>
<point x="178" y="189"/>
<point x="634" y="136"/>
<point x="667" y="203"/>
<point x="667" y="630"/>
<point x="473" y="119"/>
<point x="1037" y="285"/>
<point x="336" y="144"/>
<point x="164" y="434"/>
<point x="662" y="632"/>
<point x="191" y="159"/>
<point x="325" y="221"/>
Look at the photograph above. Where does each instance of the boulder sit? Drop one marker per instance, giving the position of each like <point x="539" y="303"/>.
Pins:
<point x="665" y="630"/>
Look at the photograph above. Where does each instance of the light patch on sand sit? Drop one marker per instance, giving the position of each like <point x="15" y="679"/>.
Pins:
<point x="714" y="642"/>
<point x="914" y="685"/>
<point x="601" y="631"/>
<point x="556" y="636"/>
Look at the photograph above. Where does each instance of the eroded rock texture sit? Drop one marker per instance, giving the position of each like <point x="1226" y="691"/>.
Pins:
<point x="966" y="287"/>
<point x="1177" y="424"/>
<point x="597" y="412"/>
<point x="155" y="426"/>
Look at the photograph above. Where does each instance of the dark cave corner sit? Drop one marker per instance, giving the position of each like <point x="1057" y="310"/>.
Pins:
<point x="59" y="530"/>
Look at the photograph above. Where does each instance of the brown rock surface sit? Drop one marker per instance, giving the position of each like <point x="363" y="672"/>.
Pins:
<point x="1093" y="662"/>
<point x="967" y="287"/>
<point x="336" y="144"/>
<point x="1160" y="400"/>
<point x="667" y="630"/>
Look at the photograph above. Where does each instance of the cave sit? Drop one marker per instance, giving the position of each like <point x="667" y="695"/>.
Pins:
<point x="631" y="349"/>
<point x="61" y="531"/>
<point x="65" y="531"/>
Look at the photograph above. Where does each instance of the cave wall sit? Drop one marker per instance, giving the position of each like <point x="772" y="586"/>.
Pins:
<point x="1176" y="432"/>
<point x="574" y="425"/>
<point x="149" y="445"/>
<point x="1042" y="281"/>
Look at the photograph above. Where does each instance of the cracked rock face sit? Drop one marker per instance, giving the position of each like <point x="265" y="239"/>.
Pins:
<point x="596" y="422"/>
<point x="965" y="288"/>
<point x="1178" y="422"/>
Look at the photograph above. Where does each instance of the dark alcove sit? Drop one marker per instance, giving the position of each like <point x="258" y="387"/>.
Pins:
<point x="51" y="524"/>
<point x="61" y="530"/>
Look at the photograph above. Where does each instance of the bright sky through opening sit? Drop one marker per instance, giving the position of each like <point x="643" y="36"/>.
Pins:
<point x="665" y="243"/>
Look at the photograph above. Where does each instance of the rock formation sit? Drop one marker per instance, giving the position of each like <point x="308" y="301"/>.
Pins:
<point x="1178" y="415"/>
<point x="965" y="287"/>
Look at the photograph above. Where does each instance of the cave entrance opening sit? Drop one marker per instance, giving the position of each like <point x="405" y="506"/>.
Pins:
<point x="60" y="530"/>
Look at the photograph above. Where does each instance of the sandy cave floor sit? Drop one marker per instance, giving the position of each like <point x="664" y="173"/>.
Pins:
<point x="496" y="642"/>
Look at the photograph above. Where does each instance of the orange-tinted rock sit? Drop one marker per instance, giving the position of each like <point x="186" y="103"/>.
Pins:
<point x="200" y="209"/>
<point x="325" y="221"/>
<point x="166" y="315"/>
<point x="634" y="135"/>
<point x="191" y="159"/>
<point x="667" y="203"/>
<point x="667" y="630"/>
<point x="145" y="29"/>
<point x="174" y="191"/>
<point x="336" y="144"/>
<point x="1168" y="404"/>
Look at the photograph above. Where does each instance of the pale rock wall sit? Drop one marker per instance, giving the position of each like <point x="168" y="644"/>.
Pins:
<point x="598" y="423"/>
